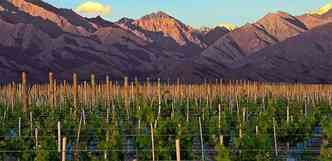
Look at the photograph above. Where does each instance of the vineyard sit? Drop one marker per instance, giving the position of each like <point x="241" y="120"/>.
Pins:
<point x="77" y="120"/>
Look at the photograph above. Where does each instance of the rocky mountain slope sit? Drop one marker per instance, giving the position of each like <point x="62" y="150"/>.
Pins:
<point x="304" y="58"/>
<point x="66" y="42"/>
<point x="250" y="38"/>
<point x="214" y="34"/>
<point x="166" y="32"/>
<point x="66" y="19"/>
<point x="315" y="20"/>
<point x="269" y="50"/>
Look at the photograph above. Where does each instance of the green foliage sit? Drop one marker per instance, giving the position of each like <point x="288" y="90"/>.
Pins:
<point x="143" y="141"/>
<point x="172" y="124"/>
<point x="113" y="145"/>
<point x="326" y="154"/>
<point x="165" y="135"/>
<point x="223" y="153"/>
<point x="254" y="148"/>
<point x="41" y="155"/>
<point x="327" y="128"/>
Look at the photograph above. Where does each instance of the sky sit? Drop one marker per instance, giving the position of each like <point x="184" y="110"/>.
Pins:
<point x="197" y="13"/>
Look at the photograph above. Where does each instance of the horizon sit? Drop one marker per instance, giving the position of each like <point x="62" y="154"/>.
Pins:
<point x="115" y="10"/>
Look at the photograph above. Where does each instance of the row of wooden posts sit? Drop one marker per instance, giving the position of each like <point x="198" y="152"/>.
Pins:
<point x="62" y="140"/>
<point x="52" y="87"/>
<point x="246" y="89"/>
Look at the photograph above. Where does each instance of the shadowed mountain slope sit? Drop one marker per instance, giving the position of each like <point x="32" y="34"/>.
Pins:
<point x="304" y="58"/>
<point x="33" y="42"/>
<point x="250" y="38"/>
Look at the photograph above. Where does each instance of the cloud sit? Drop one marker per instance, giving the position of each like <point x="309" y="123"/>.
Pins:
<point x="322" y="10"/>
<point x="92" y="9"/>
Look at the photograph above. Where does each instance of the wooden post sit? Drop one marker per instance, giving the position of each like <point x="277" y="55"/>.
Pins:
<point x="147" y="87"/>
<point x="79" y="130"/>
<point x="13" y="97"/>
<point x="139" y="119"/>
<point x="93" y="88"/>
<point x="173" y="111"/>
<point x="108" y="96"/>
<point x="98" y="92"/>
<point x="275" y="138"/>
<point x="54" y="96"/>
<point x="64" y="89"/>
<point x="64" y="145"/>
<point x="75" y="93"/>
<point x="287" y="119"/>
<point x="178" y="150"/>
<point x="25" y="98"/>
<point x="159" y="92"/>
<point x="158" y="116"/>
<point x="132" y="96"/>
<point x="77" y="146"/>
<point x="201" y="134"/>
<point x="85" y="93"/>
<point x="305" y="106"/>
<point x="188" y="110"/>
<point x="219" y="116"/>
<point x="126" y="95"/>
<point x="107" y="115"/>
<point x="178" y="88"/>
<point x="221" y="139"/>
<point x="83" y="117"/>
<point x="257" y="130"/>
<point x="59" y="137"/>
<point x="152" y="142"/>
<point x="50" y="89"/>
<point x="107" y="131"/>
<point x="36" y="137"/>
<point x="244" y="115"/>
<point x="31" y="123"/>
<point x="19" y="126"/>
<point x="159" y="103"/>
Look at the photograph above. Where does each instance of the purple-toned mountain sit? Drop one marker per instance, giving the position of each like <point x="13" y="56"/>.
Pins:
<point x="250" y="38"/>
<point x="66" y="19"/>
<point x="166" y="32"/>
<point x="314" y="20"/>
<point x="99" y="22"/>
<point x="269" y="50"/>
<point x="303" y="58"/>
<point x="37" y="37"/>
<point x="212" y="35"/>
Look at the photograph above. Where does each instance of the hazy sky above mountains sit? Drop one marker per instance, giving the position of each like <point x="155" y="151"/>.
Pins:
<point x="197" y="13"/>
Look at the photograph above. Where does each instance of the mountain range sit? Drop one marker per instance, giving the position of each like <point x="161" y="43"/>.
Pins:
<point x="37" y="37"/>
